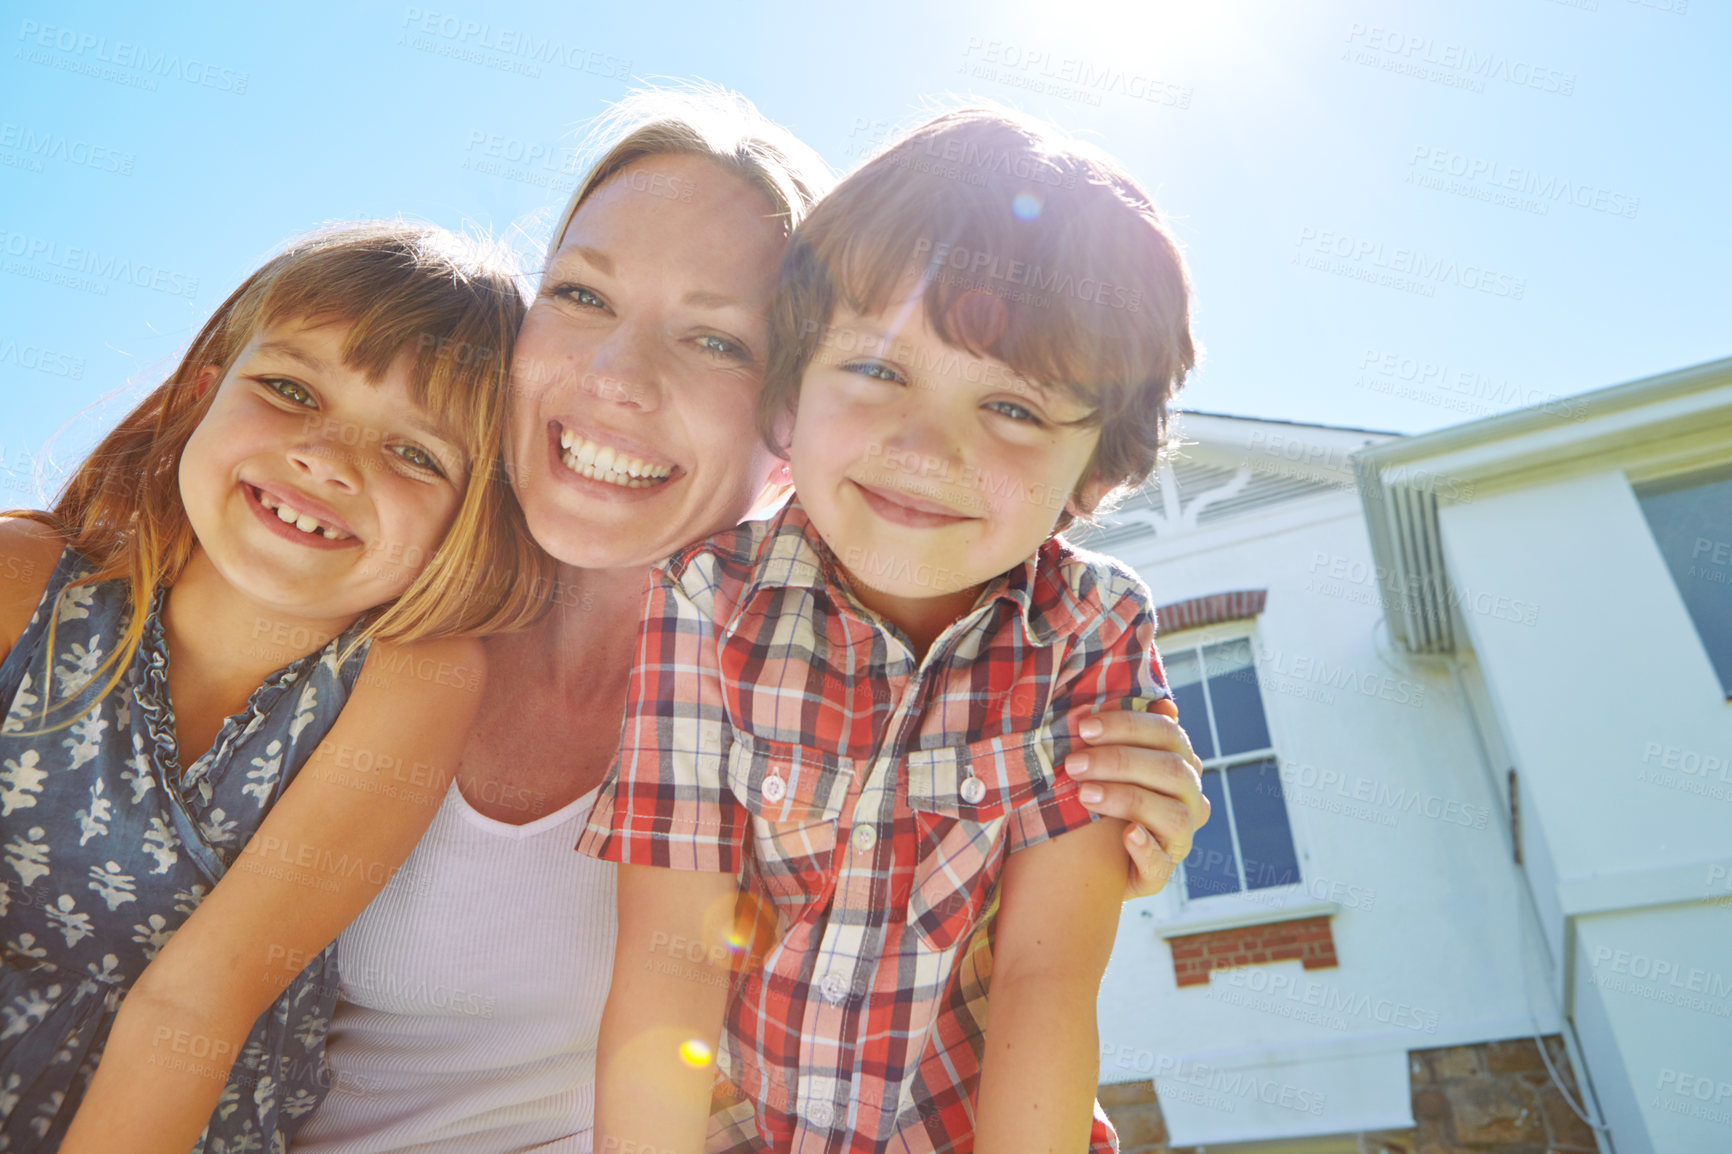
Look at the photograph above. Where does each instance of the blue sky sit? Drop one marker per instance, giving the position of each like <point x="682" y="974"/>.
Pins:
<point x="1398" y="215"/>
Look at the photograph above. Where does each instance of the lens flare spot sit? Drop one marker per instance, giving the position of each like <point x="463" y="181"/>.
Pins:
<point x="694" y="1053"/>
<point x="1025" y="206"/>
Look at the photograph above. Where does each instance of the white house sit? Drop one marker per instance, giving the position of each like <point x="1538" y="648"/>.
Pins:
<point x="1443" y="825"/>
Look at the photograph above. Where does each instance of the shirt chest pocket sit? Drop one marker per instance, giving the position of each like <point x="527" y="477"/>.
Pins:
<point x="962" y="796"/>
<point x="795" y="795"/>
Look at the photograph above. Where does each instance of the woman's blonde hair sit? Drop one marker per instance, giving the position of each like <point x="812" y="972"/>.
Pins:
<point x="451" y="306"/>
<point x="706" y="121"/>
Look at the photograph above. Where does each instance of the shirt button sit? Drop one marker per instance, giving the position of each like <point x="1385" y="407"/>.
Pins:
<point x="835" y="987"/>
<point x="865" y="837"/>
<point x="821" y="1114"/>
<point x="973" y="790"/>
<point x="774" y="789"/>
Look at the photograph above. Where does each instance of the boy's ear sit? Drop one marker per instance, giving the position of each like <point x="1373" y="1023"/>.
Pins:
<point x="1086" y="496"/>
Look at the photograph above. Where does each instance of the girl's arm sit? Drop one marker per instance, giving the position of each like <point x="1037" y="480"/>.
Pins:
<point x="654" y="1065"/>
<point x="324" y="851"/>
<point x="1058" y="914"/>
<point x="28" y="553"/>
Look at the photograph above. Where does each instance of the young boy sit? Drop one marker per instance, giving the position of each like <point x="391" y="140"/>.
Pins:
<point x="855" y="712"/>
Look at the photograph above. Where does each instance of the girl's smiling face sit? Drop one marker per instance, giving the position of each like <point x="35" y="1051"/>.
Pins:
<point x="631" y="428"/>
<point x="312" y="489"/>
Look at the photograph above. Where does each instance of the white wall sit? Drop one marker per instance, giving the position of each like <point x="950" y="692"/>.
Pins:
<point x="1426" y="933"/>
<point x="1612" y="713"/>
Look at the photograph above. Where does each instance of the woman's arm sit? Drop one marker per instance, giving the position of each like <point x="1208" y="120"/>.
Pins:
<point x="654" y="1064"/>
<point x="1058" y="915"/>
<point x="323" y="852"/>
<point x="1140" y="767"/>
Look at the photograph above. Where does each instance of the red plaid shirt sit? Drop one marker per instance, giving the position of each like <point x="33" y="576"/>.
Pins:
<point x="777" y="729"/>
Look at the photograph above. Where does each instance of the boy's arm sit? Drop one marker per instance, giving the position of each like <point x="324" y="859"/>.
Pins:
<point x="1058" y="914"/>
<point x="666" y="803"/>
<point x="322" y="853"/>
<point x="655" y="1061"/>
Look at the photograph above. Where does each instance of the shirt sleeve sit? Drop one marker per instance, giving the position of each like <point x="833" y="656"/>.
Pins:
<point x="1111" y="664"/>
<point x="665" y="801"/>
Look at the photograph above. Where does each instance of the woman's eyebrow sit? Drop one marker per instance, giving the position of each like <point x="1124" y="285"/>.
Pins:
<point x="594" y="257"/>
<point x="709" y="300"/>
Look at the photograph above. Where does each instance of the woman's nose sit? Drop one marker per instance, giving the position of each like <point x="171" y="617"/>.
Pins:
<point x="623" y="370"/>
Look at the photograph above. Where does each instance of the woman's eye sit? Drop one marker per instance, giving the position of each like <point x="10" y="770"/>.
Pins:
<point x="876" y="371"/>
<point x="1014" y="411"/>
<point x="291" y="391"/>
<point x="722" y="346"/>
<point x="577" y="294"/>
<point x="419" y="457"/>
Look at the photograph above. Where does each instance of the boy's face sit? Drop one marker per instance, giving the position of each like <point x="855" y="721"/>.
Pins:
<point x="927" y="470"/>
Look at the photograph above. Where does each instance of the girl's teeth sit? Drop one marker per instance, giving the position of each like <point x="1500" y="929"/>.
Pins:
<point x="604" y="459"/>
<point x="305" y="522"/>
<point x="586" y="453"/>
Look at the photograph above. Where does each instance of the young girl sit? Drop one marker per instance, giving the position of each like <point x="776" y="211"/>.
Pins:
<point x="308" y="516"/>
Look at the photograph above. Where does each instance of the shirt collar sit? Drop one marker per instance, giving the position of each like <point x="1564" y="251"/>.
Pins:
<point x="791" y="554"/>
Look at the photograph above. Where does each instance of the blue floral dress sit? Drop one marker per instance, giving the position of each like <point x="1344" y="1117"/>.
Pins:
<point x="106" y="847"/>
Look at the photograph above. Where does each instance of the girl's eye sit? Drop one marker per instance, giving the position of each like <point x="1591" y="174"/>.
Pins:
<point x="419" y="457"/>
<point x="722" y="347"/>
<point x="875" y="371"/>
<point x="1014" y="411"/>
<point x="292" y="391"/>
<point x="577" y="294"/>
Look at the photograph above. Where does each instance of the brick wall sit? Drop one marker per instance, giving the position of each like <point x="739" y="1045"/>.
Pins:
<point x="1306" y="940"/>
<point x="1210" y="610"/>
<point x="1488" y="1098"/>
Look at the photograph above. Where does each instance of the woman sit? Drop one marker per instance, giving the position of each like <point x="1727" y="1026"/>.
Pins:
<point x="474" y="985"/>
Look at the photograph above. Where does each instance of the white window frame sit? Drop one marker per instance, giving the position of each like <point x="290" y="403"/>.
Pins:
<point x="1271" y="903"/>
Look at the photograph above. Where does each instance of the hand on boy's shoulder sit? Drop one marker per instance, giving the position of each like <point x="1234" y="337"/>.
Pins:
<point x="29" y="550"/>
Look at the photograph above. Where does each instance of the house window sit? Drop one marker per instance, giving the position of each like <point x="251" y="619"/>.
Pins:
<point x="1248" y="843"/>
<point x="1691" y="520"/>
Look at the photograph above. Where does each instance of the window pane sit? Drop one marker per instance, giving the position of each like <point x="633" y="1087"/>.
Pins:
<point x="1211" y="869"/>
<point x="1693" y="528"/>
<point x="1185" y="683"/>
<point x="1260" y="814"/>
<point x="1237" y="700"/>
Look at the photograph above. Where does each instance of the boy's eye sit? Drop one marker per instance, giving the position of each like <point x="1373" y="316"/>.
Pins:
<point x="419" y="457"/>
<point x="577" y="294"/>
<point x="291" y="391"/>
<point x="876" y="371"/>
<point x="1014" y="411"/>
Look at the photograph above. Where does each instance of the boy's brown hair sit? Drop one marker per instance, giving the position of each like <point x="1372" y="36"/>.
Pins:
<point x="1026" y="247"/>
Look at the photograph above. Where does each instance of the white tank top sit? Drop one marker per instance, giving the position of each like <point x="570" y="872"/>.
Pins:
<point x="472" y="991"/>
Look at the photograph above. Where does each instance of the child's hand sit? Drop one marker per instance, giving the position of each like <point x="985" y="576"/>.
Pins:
<point x="1140" y="767"/>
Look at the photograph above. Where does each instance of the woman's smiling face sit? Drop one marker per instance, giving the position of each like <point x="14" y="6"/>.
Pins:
<point x="637" y="369"/>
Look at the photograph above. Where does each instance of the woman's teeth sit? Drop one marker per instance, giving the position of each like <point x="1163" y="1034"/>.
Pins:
<point x="603" y="463"/>
<point x="301" y="521"/>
